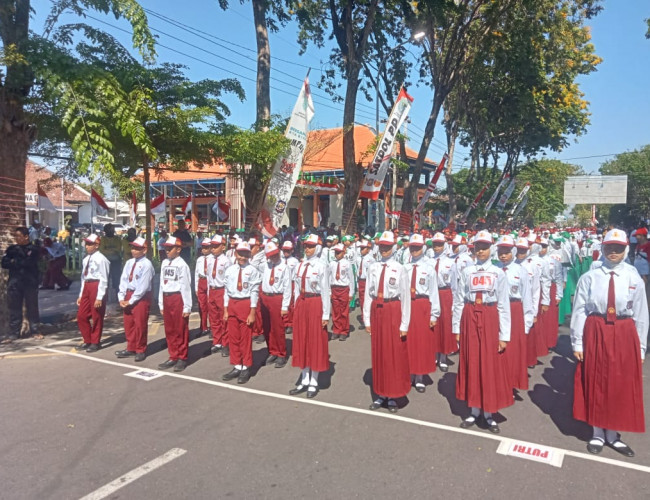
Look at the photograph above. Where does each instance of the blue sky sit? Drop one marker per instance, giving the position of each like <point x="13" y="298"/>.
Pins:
<point x="617" y="91"/>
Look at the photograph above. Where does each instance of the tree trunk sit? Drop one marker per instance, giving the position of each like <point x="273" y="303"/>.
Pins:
<point x="451" y="145"/>
<point x="353" y="172"/>
<point x="147" y="206"/>
<point x="410" y="190"/>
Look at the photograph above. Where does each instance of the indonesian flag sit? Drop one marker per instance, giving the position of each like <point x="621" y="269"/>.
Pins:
<point x="44" y="202"/>
<point x="158" y="205"/>
<point x="221" y="210"/>
<point x="134" y="209"/>
<point x="187" y="206"/>
<point x="97" y="203"/>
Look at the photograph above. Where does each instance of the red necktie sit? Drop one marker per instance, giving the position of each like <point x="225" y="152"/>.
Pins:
<point x="239" y="283"/>
<point x="131" y="274"/>
<point x="303" y="281"/>
<point x="87" y="266"/>
<point x="338" y="271"/>
<point x="380" y="291"/>
<point x="214" y="267"/>
<point x="437" y="265"/>
<point x="361" y="268"/>
<point x="272" y="279"/>
<point x="413" y="279"/>
<point x="611" y="300"/>
<point x="479" y="298"/>
<point x="205" y="266"/>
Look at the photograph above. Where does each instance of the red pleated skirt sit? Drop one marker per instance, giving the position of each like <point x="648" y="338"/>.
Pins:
<point x="420" y="339"/>
<point x="551" y="324"/>
<point x="482" y="378"/>
<point x="515" y="354"/>
<point x="608" y="384"/>
<point x="309" y="336"/>
<point x="444" y="340"/>
<point x="390" y="363"/>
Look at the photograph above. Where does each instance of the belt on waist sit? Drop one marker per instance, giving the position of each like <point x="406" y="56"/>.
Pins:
<point x="481" y="303"/>
<point x="310" y="295"/>
<point x="167" y="294"/>
<point x="339" y="286"/>
<point x="202" y="277"/>
<point x="515" y="300"/>
<point x="420" y="297"/>
<point x="271" y="294"/>
<point x="216" y="287"/>
<point x="239" y="299"/>
<point x="392" y="299"/>
<point x="444" y="287"/>
<point x="91" y="281"/>
<point x="604" y="316"/>
<point x="362" y="279"/>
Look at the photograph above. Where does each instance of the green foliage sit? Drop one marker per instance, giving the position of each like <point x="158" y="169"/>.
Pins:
<point x="636" y="165"/>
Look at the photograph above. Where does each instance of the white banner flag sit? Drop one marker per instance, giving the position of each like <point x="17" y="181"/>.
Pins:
<point x="506" y="196"/>
<point x="432" y="185"/>
<point x="287" y="168"/>
<point x="519" y="198"/>
<point x="493" y="198"/>
<point x="521" y="206"/>
<point x="379" y="166"/>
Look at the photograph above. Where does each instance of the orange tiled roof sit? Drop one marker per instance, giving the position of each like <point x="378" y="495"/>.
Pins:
<point x="36" y="174"/>
<point x="217" y="169"/>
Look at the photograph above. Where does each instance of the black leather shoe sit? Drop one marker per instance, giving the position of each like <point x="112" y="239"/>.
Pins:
<point x="271" y="359"/>
<point x="622" y="448"/>
<point x="468" y="422"/>
<point x="288" y="330"/>
<point x="311" y="392"/>
<point x="392" y="406"/>
<point x="125" y="354"/>
<point x="281" y="362"/>
<point x="420" y="388"/>
<point x="299" y="389"/>
<point x="375" y="405"/>
<point x="225" y="352"/>
<point x="180" y="365"/>
<point x="167" y="364"/>
<point x="234" y="373"/>
<point x="259" y="339"/>
<point x="595" y="446"/>
<point x="85" y="345"/>
<point x="444" y="368"/>
<point x="335" y="336"/>
<point x="93" y="348"/>
<point x="140" y="356"/>
<point x="492" y="426"/>
<point x="244" y="376"/>
<point x="343" y="338"/>
<point x="215" y="349"/>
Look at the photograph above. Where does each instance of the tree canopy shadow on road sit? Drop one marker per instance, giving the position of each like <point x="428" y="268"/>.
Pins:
<point x="447" y="389"/>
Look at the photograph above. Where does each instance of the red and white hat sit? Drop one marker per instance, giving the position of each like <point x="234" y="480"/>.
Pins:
<point x="416" y="240"/>
<point x="92" y="239"/>
<point x="387" y="238"/>
<point x="482" y="237"/>
<point x="287" y="245"/>
<point x="438" y="238"/>
<point x="271" y="249"/>
<point x="252" y="242"/>
<point x="522" y="243"/>
<point x="339" y="247"/>
<point x="506" y="240"/>
<point x="532" y="237"/>
<point x="243" y="246"/>
<point x="615" y="237"/>
<point x="173" y="241"/>
<point x="543" y="241"/>
<point x="459" y="240"/>
<point x="216" y="240"/>
<point x="206" y="242"/>
<point x="139" y="242"/>
<point x="311" y="240"/>
<point x="364" y="244"/>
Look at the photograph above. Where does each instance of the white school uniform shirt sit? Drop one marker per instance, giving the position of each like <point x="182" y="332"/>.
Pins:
<point x="364" y="264"/>
<point x="591" y="298"/>
<point x="217" y="270"/>
<point x="281" y="277"/>
<point x="519" y="288"/>
<point x="445" y="270"/>
<point x="494" y="287"/>
<point x="534" y="279"/>
<point x="202" y="269"/>
<point x="258" y="261"/>
<point x="396" y="284"/>
<point x="175" y="276"/>
<point x="292" y="262"/>
<point x="557" y="274"/>
<point x="461" y="261"/>
<point x="317" y="281"/>
<point x="95" y="267"/>
<point x="346" y="274"/>
<point x="426" y="283"/>
<point x="251" y="279"/>
<point x="142" y="280"/>
<point x="545" y="278"/>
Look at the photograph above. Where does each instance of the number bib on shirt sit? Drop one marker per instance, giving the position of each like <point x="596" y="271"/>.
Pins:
<point x="171" y="273"/>
<point x="482" y="282"/>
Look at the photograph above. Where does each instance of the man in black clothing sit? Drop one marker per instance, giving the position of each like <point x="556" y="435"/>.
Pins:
<point x="21" y="260"/>
<point x="186" y="239"/>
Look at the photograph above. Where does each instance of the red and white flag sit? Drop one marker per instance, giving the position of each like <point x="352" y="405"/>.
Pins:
<point x="187" y="206"/>
<point x="134" y="209"/>
<point x="97" y="203"/>
<point x="44" y="202"/>
<point x="432" y="185"/>
<point x="158" y="205"/>
<point x="221" y="210"/>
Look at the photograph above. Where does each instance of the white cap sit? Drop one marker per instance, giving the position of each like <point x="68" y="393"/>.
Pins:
<point x="252" y="242"/>
<point x="532" y="237"/>
<point x="206" y="242"/>
<point x="243" y="246"/>
<point x="483" y="237"/>
<point x="93" y="238"/>
<point x="287" y="245"/>
<point x="615" y="236"/>
<point x="364" y="244"/>
<point x="172" y="241"/>
<point x="543" y="241"/>
<point x="139" y="242"/>
<point x="416" y="240"/>
<point x="387" y="238"/>
<point x="339" y="247"/>
<point x="216" y="240"/>
<point x="506" y="240"/>
<point x="522" y="243"/>
<point x="459" y="240"/>
<point x="312" y="239"/>
<point x="271" y="249"/>
<point x="438" y="238"/>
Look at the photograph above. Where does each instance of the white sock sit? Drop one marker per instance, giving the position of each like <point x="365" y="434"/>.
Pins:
<point x="244" y="367"/>
<point x="599" y="433"/>
<point x="611" y="436"/>
<point x="238" y="367"/>
<point x="475" y="412"/>
<point x="305" y="376"/>
<point x="314" y="378"/>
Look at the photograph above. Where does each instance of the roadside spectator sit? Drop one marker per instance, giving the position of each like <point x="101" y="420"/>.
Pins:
<point x="55" y="264"/>
<point x="110" y="246"/>
<point x="186" y="239"/>
<point x="162" y="238"/>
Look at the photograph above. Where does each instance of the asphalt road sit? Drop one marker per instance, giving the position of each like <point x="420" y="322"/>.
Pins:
<point x="72" y="425"/>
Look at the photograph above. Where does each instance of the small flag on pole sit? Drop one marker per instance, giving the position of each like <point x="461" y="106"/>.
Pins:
<point x="97" y="203"/>
<point x="134" y="209"/>
<point x="158" y="205"/>
<point x="221" y="210"/>
<point x="187" y="206"/>
<point x="44" y="202"/>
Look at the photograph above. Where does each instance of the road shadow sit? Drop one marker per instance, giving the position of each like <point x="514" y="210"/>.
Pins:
<point x="367" y="379"/>
<point x="198" y="350"/>
<point x="447" y="389"/>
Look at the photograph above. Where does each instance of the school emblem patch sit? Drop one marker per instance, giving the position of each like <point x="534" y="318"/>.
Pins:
<point x="392" y="281"/>
<point x="514" y="289"/>
<point x="423" y="281"/>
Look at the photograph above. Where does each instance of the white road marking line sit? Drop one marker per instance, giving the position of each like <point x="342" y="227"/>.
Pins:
<point x="137" y="473"/>
<point x="422" y="423"/>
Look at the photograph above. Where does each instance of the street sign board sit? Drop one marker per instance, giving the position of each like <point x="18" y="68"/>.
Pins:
<point x="595" y="190"/>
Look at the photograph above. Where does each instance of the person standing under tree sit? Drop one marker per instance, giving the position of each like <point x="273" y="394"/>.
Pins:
<point x="111" y="248"/>
<point x="21" y="260"/>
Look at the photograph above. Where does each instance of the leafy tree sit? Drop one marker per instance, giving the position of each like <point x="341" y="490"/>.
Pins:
<point x="636" y="165"/>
